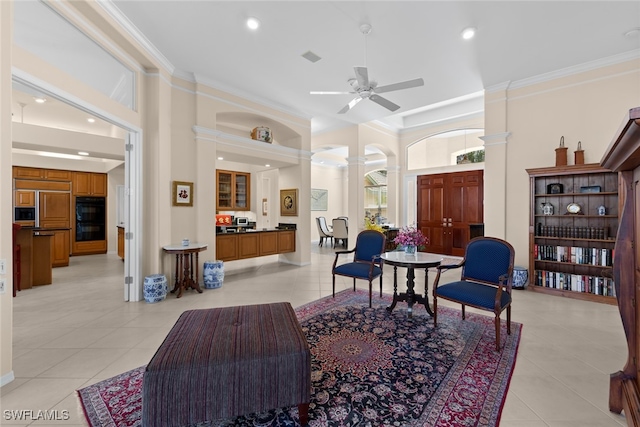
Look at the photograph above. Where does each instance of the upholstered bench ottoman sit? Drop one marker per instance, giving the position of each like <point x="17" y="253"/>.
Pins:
<point x="224" y="362"/>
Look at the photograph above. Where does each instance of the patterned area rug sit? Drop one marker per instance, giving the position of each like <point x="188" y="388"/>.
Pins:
<point x="369" y="368"/>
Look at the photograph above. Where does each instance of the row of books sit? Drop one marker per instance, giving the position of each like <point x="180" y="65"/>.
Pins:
<point x="574" y="254"/>
<point x="575" y="282"/>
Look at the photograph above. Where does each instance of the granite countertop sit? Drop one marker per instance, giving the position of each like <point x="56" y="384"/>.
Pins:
<point x="250" y="230"/>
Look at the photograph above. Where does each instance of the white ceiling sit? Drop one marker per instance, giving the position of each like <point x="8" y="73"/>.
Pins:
<point x="516" y="40"/>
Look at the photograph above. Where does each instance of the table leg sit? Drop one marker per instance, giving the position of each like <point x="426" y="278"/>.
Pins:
<point x="176" y="285"/>
<point x="411" y="294"/>
<point x="182" y="275"/>
<point x="395" y="289"/>
<point x="426" y="292"/>
<point x="197" y="282"/>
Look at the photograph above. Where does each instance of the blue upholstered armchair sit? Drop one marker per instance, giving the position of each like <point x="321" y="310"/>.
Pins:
<point x="485" y="282"/>
<point x="366" y="263"/>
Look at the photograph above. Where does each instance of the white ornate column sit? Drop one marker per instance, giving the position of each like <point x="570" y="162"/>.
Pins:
<point x="495" y="184"/>
<point x="355" y="204"/>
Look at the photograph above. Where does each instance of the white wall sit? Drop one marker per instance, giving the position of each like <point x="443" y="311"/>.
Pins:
<point x="334" y="180"/>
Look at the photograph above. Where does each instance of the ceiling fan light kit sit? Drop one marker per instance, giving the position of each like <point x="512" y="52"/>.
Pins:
<point x="369" y="89"/>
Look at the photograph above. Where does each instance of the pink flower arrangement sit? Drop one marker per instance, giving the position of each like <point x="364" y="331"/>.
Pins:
<point x="411" y="236"/>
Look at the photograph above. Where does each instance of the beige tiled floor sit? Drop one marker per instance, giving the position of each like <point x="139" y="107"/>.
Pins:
<point x="78" y="331"/>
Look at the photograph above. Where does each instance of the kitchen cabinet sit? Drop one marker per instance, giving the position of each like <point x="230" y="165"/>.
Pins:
<point x="39" y="173"/>
<point x="286" y="241"/>
<point x="41" y="273"/>
<point x="251" y="244"/>
<point x="35" y="257"/>
<point x="60" y="248"/>
<point x="28" y="173"/>
<point x="248" y="245"/>
<point x="25" y="198"/>
<point x="89" y="184"/>
<point x="57" y="175"/>
<point x="89" y="247"/>
<point x="234" y="191"/>
<point x="55" y="209"/>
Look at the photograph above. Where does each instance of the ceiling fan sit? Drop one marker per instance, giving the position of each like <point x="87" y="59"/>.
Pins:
<point x="365" y="88"/>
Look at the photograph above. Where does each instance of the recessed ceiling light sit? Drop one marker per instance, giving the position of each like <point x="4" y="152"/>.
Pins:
<point x="40" y="100"/>
<point x="83" y="153"/>
<point x="91" y="120"/>
<point x="220" y="158"/>
<point x="468" y="33"/>
<point x="267" y="165"/>
<point x="253" y="23"/>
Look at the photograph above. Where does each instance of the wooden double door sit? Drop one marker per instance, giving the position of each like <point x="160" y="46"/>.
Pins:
<point x="448" y="205"/>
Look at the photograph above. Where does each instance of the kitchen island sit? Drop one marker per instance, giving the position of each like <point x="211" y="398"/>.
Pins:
<point x="254" y="243"/>
<point x="35" y="257"/>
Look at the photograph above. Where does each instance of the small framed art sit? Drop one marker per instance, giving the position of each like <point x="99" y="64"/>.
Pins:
<point x="319" y="200"/>
<point x="289" y="202"/>
<point x="182" y="193"/>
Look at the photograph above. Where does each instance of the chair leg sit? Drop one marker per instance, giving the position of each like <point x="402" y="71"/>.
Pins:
<point x="509" y="320"/>
<point x="463" y="313"/>
<point x="370" y="292"/>
<point x="381" y="286"/>
<point x="354" y="284"/>
<point x="435" y="311"/>
<point x="498" y="333"/>
<point x="334" y="285"/>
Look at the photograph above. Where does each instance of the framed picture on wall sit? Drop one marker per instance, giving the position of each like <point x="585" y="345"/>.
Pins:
<point x="319" y="199"/>
<point x="289" y="202"/>
<point x="182" y="193"/>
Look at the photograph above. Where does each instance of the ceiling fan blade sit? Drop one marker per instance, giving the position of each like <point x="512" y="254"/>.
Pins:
<point x="362" y="75"/>
<point x="384" y="102"/>
<point x="350" y="105"/>
<point x="398" y="86"/>
<point x="316" y="92"/>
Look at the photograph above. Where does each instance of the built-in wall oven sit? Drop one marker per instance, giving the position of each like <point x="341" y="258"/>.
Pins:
<point x="90" y="218"/>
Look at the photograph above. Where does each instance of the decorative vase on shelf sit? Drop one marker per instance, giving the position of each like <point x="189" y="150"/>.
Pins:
<point x="410" y="249"/>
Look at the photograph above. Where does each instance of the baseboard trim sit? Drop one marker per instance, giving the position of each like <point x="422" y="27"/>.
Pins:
<point x="6" y="379"/>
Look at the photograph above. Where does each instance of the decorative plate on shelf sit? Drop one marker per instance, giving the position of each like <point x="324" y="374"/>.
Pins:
<point x="574" y="209"/>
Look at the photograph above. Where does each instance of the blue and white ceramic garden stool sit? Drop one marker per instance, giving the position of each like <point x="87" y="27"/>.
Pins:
<point x="213" y="274"/>
<point x="155" y="288"/>
<point x="520" y="277"/>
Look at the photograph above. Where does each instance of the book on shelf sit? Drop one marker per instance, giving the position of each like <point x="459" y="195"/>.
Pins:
<point x="574" y="255"/>
<point x="596" y="285"/>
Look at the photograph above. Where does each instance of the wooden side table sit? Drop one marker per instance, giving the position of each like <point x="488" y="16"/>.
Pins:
<point x="185" y="267"/>
<point x="411" y="262"/>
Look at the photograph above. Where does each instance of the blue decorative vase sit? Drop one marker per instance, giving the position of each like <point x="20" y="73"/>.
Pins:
<point x="520" y="277"/>
<point x="155" y="288"/>
<point x="410" y="249"/>
<point x="213" y="274"/>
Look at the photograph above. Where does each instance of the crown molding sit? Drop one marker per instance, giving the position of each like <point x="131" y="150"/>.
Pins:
<point x="112" y="10"/>
<point x="568" y="71"/>
<point x="249" y="97"/>
<point x="453" y="119"/>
